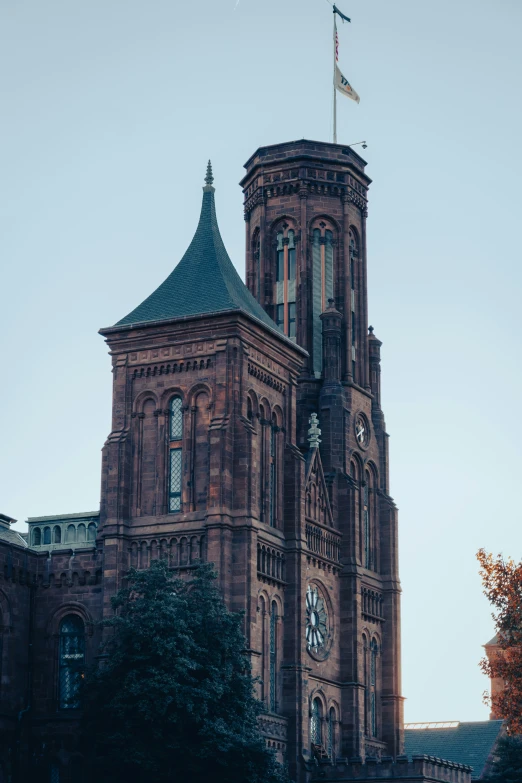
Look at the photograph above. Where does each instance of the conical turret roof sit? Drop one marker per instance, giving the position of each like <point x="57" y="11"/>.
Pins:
<point x="204" y="281"/>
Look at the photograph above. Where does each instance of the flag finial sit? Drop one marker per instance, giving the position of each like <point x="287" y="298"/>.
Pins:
<point x="209" y="179"/>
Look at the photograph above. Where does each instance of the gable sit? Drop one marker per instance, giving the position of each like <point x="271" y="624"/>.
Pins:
<point x="317" y="501"/>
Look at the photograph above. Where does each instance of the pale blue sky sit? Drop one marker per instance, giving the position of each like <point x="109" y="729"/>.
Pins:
<point x="110" y="110"/>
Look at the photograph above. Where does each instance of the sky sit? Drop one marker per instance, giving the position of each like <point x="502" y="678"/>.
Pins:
<point x="110" y="110"/>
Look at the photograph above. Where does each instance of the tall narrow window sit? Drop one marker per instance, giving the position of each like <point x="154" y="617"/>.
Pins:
<point x="331" y="733"/>
<point x="366" y="524"/>
<point x="322" y="285"/>
<point x="315" y="723"/>
<point x="37" y="536"/>
<point x="47" y="535"/>
<point x="175" y="453"/>
<point x="262" y="464"/>
<point x="353" y="271"/>
<point x="57" y="536"/>
<point x="272" y="478"/>
<point x="286" y="266"/>
<point x="374" y="649"/>
<point x="366" y="679"/>
<point x="273" y="658"/>
<point x="262" y="679"/>
<point x="280" y="268"/>
<point x="256" y="257"/>
<point x="200" y="460"/>
<point x="368" y="512"/>
<point x="72" y="661"/>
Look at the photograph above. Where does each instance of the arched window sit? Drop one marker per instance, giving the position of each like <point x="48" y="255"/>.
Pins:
<point x="47" y="535"/>
<point x="37" y="536"/>
<point x="272" y="476"/>
<point x="91" y="532"/>
<point x="354" y="252"/>
<point x="256" y="264"/>
<point x="70" y="534"/>
<point x="82" y="533"/>
<point x="57" y="534"/>
<point x="262" y="683"/>
<point x="262" y="464"/>
<point x="368" y="513"/>
<point x="366" y="680"/>
<point x="322" y="284"/>
<point x="175" y="453"/>
<point x="286" y="265"/>
<point x="72" y="661"/>
<point x="374" y="650"/>
<point x="331" y="734"/>
<point x="315" y="723"/>
<point x="273" y="658"/>
<point x="366" y="522"/>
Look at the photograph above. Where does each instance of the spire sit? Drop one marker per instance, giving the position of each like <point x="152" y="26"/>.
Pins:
<point x="209" y="179"/>
<point x="204" y="281"/>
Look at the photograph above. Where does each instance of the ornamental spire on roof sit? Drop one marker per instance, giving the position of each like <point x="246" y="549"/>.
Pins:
<point x="204" y="281"/>
<point x="209" y="179"/>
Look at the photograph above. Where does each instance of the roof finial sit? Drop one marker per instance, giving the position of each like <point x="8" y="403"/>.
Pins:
<point x="209" y="179"/>
<point x="314" y="433"/>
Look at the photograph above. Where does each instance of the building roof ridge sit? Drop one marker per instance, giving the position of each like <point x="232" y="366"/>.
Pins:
<point x="57" y="517"/>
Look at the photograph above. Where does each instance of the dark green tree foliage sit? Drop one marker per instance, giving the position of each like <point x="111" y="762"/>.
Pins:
<point x="173" y="699"/>
<point x="508" y="765"/>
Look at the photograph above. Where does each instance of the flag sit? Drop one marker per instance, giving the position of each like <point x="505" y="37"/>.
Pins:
<point x="343" y="17"/>
<point x="343" y="85"/>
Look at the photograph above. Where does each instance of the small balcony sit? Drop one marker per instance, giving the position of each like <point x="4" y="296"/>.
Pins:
<point x="324" y="542"/>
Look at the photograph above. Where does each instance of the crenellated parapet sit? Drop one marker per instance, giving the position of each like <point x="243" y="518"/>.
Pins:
<point x="419" y="769"/>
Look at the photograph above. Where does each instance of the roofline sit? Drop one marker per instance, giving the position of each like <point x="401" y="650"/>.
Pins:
<point x="307" y="141"/>
<point x="25" y="546"/>
<point x="460" y="723"/>
<point x="108" y="330"/>
<point x="58" y="517"/>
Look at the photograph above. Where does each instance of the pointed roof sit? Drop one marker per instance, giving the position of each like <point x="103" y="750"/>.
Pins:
<point x="204" y="281"/>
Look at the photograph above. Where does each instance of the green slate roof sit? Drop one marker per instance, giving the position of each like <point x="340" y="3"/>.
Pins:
<point x="204" y="281"/>
<point x="466" y="743"/>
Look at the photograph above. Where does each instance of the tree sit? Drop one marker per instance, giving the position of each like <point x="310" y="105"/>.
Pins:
<point x="502" y="581"/>
<point x="507" y="767"/>
<point x="173" y="699"/>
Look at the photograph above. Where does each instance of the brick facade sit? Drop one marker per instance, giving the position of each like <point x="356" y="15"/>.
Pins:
<point x="301" y="528"/>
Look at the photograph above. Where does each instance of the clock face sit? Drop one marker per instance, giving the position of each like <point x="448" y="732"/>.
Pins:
<point x="362" y="430"/>
<point x="316" y="620"/>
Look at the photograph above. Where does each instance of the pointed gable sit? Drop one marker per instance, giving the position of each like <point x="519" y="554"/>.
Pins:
<point x="317" y="502"/>
<point x="204" y="281"/>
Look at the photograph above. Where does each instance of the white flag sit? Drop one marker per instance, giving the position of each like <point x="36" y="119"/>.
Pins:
<point x="343" y="85"/>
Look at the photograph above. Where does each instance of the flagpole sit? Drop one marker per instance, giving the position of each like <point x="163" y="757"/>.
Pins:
<point x="334" y="90"/>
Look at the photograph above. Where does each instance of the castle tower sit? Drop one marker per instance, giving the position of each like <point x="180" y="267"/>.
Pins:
<point x="305" y="210"/>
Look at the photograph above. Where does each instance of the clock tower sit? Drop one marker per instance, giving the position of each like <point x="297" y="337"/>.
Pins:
<point x="339" y="646"/>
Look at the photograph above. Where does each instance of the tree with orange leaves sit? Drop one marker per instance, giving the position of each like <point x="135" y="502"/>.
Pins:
<point x="502" y="581"/>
